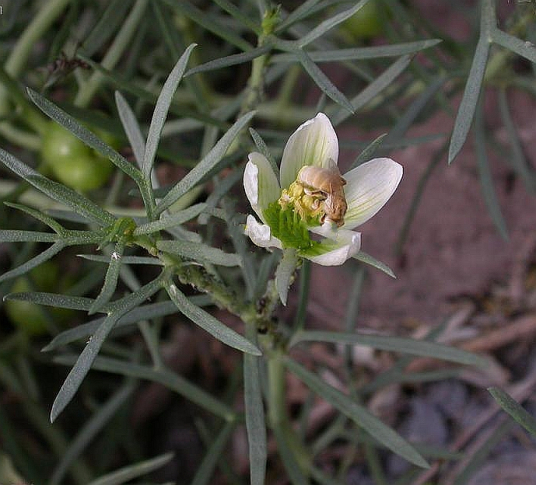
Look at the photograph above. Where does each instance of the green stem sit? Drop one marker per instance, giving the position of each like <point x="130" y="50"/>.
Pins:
<point x="120" y="44"/>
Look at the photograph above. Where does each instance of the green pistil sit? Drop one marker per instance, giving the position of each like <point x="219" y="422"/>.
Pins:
<point x="287" y="226"/>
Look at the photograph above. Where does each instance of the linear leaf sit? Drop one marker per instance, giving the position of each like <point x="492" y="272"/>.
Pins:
<point x="514" y="409"/>
<point x="214" y="453"/>
<point x="368" y="151"/>
<point x="240" y="16"/>
<point x="13" y="235"/>
<point x="145" y="312"/>
<point x="368" y="259"/>
<point x="125" y="259"/>
<point x="88" y="431"/>
<point x="57" y="191"/>
<point x="519" y="161"/>
<point x="161" y="111"/>
<point x="208" y="22"/>
<point x="166" y="221"/>
<point x="167" y="378"/>
<point x="255" y="419"/>
<point x="126" y="474"/>
<point x="520" y="47"/>
<point x="362" y="417"/>
<point x="374" y="88"/>
<point x="204" y="166"/>
<point x="110" y="281"/>
<point x="231" y="60"/>
<point x="486" y="180"/>
<point x="208" y="323"/>
<point x="85" y="360"/>
<point x="35" y="261"/>
<point x="467" y="108"/>
<point x="199" y="252"/>
<point x="409" y="346"/>
<point x="131" y="127"/>
<point x="299" y="13"/>
<point x="44" y="218"/>
<point x="322" y="81"/>
<point x="263" y="148"/>
<point x="329" y="23"/>
<point x="85" y="135"/>
<point x="56" y="300"/>
<point x="125" y="84"/>
<point x="360" y="53"/>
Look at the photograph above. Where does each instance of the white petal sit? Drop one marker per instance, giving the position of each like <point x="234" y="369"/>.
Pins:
<point x="369" y="187"/>
<point x="260" y="183"/>
<point x="342" y="245"/>
<point x="261" y="234"/>
<point x="313" y="143"/>
<point x="284" y="272"/>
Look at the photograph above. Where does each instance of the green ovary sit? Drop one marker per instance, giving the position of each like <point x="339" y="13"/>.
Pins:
<point x="288" y="226"/>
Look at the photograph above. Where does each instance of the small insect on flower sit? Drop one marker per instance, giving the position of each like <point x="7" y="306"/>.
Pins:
<point x="311" y="211"/>
<point x="325" y="185"/>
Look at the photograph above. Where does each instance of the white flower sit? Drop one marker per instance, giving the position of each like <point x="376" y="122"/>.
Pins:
<point x="290" y="210"/>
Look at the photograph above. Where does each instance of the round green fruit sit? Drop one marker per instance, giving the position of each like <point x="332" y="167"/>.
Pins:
<point x="367" y="22"/>
<point x="72" y="162"/>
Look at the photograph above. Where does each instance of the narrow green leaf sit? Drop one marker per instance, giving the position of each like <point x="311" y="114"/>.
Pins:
<point x="199" y="252"/>
<point x="208" y="323"/>
<point x="240" y="16"/>
<point x="9" y="236"/>
<point x="368" y="259"/>
<point x="467" y="108"/>
<point x="486" y="180"/>
<point x="91" y="350"/>
<point x="359" y="414"/>
<point x="519" y="161"/>
<point x="110" y="281"/>
<point x="374" y="88"/>
<point x="514" y="409"/>
<point x="126" y="474"/>
<point x="56" y="300"/>
<point x="323" y="82"/>
<point x="361" y="53"/>
<point x="85" y="135"/>
<point x="208" y="22"/>
<point x="288" y="456"/>
<point x="35" y="261"/>
<point x="329" y="23"/>
<point x="283" y="273"/>
<point x="131" y="127"/>
<point x="299" y="13"/>
<point x="254" y="411"/>
<point x="206" y="165"/>
<point x="520" y="47"/>
<point x="125" y="84"/>
<point x="109" y="22"/>
<point x="367" y="153"/>
<point x="90" y="428"/>
<point x="263" y="148"/>
<point x="421" y="348"/>
<point x="161" y="111"/>
<point x="166" y="221"/>
<point x="145" y="312"/>
<point x="58" y="192"/>
<point x="231" y="60"/>
<point x="214" y="453"/>
<point x="125" y="259"/>
<point x="167" y="378"/>
<point x="44" y="218"/>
